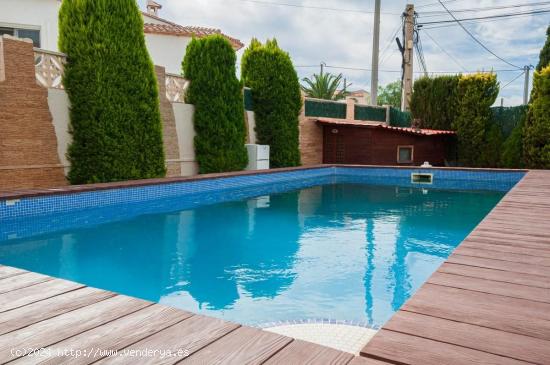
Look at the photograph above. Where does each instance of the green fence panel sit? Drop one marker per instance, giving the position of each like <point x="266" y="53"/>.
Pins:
<point x="399" y="118"/>
<point x="507" y="118"/>
<point x="327" y="109"/>
<point x="365" y="112"/>
<point x="248" y="102"/>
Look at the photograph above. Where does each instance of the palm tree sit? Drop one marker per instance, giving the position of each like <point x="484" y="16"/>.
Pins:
<point x="324" y="86"/>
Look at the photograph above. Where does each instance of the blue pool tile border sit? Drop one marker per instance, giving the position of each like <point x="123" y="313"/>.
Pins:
<point x="212" y="190"/>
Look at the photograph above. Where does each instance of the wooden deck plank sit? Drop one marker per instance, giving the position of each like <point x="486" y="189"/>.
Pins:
<point x="492" y="311"/>
<point x="306" y="353"/>
<point x="500" y="343"/>
<point x="7" y="271"/>
<point x="190" y="336"/>
<point x="35" y="312"/>
<point x="509" y="248"/>
<point x="244" y="346"/>
<point x="505" y="256"/>
<point x="491" y="287"/>
<point x="112" y="336"/>
<point x="50" y="331"/>
<point x="21" y="281"/>
<point x="35" y="293"/>
<point x="365" y="361"/>
<point x="413" y="350"/>
<point x="495" y="275"/>
<point x="499" y="265"/>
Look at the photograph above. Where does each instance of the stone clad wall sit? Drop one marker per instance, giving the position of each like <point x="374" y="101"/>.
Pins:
<point x="28" y="144"/>
<point x="311" y="140"/>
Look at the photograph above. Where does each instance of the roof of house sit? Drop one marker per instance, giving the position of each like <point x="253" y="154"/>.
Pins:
<point x="368" y="124"/>
<point x="170" y="28"/>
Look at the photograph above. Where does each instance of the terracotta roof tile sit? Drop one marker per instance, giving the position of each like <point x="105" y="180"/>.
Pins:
<point x="367" y="124"/>
<point x="187" y="31"/>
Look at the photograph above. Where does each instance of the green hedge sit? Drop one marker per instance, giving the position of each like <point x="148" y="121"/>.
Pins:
<point x="366" y="112"/>
<point x="269" y="72"/>
<point x="536" y="144"/>
<point x="507" y="118"/>
<point x="317" y="108"/>
<point x="434" y="101"/>
<point x="399" y="118"/>
<point x="478" y="139"/>
<point x="109" y="78"/>
<point x="216" y="93"/>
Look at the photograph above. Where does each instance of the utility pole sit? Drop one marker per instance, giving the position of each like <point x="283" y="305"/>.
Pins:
<point x="526" y="70"/>
<point x="375" y="50"/>
<point x="322" y="68"/>
<point x="408" y="57"/>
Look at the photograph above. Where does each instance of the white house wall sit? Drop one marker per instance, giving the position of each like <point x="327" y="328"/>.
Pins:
<point x="33" y="14"/>
<point x="167" y="51"/>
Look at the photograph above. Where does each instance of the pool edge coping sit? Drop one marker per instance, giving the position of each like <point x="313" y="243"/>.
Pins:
<point x="75" y="189"/>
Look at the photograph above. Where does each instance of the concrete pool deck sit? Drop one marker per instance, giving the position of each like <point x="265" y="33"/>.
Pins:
<point x="489" y="303"/>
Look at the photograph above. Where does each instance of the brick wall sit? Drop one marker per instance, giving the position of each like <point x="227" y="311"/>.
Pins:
<point x="28" y="146"/>
<point x="169" y="132"/>
<point x="311" y="140"/>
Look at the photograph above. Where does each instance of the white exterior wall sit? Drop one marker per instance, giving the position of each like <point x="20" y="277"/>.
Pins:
<point x="33" y="14"/>
<point x="58" y="102"/>
<point x="184" y="114"/>
<point x="167" y="51"/>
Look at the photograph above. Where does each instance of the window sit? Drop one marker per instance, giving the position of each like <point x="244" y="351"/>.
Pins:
<point x="405" y="154"/>
<point x="33" y="34"/>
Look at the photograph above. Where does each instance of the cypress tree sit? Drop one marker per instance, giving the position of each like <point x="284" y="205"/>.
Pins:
<point x="544" y="58"/>
<point x="110" y="81"/>
<point x="476" y="94"/>
<point x="434" y="101"/>
<point x="512" y="149"/>
<point x="216" y="93"/>
<point x="269" y="72"/>
<point x="536" y="144"/>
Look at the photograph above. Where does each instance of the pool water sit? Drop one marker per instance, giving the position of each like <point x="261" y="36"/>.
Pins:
<point x="339" y="251"/>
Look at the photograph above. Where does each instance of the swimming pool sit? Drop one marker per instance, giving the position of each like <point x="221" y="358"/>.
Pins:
<point x="347" y="244"/>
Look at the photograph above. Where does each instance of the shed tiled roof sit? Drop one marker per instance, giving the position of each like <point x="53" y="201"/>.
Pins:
<point x="186" y="31"/>
<point x="367" y="124"/>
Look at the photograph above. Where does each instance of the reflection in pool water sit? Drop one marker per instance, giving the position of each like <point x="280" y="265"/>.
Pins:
<point x="344" y="251"/>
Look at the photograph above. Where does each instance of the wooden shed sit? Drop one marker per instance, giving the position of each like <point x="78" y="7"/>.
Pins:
<point x="367" y="143"/>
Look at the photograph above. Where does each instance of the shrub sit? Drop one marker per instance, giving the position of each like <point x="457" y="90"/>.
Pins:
<point x="434" y="101"/>
<point x="512" y="149"/>
<point x="109" y="78"/>
<point x="476" y="93"/>
<point x="544" y="57"/>
<point x="216" y="92"/>
<point x="536" y="146"/>
<point x="269" y="72"/>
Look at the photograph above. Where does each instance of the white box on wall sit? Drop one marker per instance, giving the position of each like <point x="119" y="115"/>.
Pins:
<point x="258" y="157"/>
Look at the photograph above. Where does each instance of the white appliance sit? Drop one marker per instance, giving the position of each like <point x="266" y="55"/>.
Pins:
<point x="258" y="157"/>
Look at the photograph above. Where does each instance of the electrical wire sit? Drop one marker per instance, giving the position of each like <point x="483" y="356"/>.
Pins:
<point x="531" y="12"/>
<point x="459" y="64"/>
<point x="514" y="79"/>
<point x="398" y="71"/>
<point x="358" y="11"/>
<point x="476" y="10"/>
<point x="475" y="39"/>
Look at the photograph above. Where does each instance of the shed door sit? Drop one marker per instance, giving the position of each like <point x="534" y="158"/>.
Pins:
<point x="334" y="146"/>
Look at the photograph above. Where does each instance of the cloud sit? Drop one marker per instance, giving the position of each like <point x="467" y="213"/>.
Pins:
<point x="345" y="38"/>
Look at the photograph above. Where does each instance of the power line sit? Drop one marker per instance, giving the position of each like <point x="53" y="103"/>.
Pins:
<point x="475" y="39"/>
<point x="358" y="11"/>
<point x="459" y="64"/>
<point x="532" y="12"/>
<point x="514" y="79"/>
<point x="438" y="13"/>
<point x="478" y="22"/>
<point x="399" y="71"/>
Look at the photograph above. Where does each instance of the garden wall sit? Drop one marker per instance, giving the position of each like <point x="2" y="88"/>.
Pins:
<point x="34" y="121"/>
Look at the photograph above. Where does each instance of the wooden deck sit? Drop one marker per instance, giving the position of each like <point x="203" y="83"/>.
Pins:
<point x="76" y="324"/>
<point x="489" y="303"/>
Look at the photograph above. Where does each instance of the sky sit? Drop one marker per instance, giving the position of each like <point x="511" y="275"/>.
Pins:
<point x="343" y="38"/>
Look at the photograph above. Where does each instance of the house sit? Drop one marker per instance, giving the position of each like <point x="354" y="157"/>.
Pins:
<point x="368" y="143"/>
<point x="166" y="41"/>
<point x="359" y="96"/>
